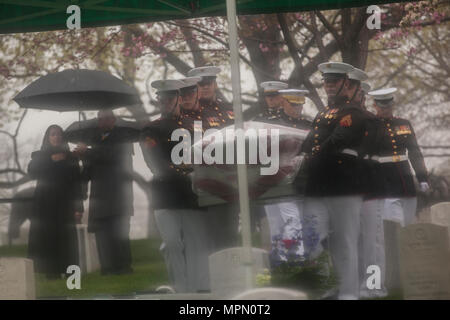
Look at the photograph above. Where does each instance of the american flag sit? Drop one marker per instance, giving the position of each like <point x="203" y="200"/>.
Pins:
<point x="220" y="180"/>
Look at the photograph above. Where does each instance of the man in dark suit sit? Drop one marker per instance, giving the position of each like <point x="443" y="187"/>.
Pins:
<point x="108" y="165"/>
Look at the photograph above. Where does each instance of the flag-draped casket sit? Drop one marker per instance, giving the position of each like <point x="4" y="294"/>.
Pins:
<point x="272" y="156"/>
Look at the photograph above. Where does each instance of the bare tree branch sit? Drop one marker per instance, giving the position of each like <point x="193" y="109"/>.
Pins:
<point x="298" y="63"/>
<point x="13" y="184"/>
<point x="197" y="55"/>
<point x="329" y="27"/>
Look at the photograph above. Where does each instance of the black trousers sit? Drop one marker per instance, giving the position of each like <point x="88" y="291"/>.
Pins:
<point x="113" y="244"/>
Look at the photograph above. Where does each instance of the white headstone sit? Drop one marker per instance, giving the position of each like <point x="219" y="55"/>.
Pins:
<point x="17" y="279"/>
<point x="424" y="261"/>
<point x="87" y="250"/>
<point x="440" y="214"/>
<point x="228" y="272"/>
<point x="271" y="294"/>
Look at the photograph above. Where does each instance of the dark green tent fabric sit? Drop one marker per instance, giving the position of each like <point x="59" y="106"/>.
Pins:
<point x="42" y="15"/>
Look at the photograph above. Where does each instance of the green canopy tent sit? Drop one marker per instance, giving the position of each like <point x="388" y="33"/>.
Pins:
<point x="41" y="15"/>
<point x="44" y="15"/>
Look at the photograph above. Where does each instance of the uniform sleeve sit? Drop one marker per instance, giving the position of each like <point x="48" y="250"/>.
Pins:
<point x="307" y="144"/>
<point x="129" y="135"/>
<point x="350" y="127"/>
<point x="372" y="137"/>
<point x="154" y="151"/>
<point x="416" y="157"/>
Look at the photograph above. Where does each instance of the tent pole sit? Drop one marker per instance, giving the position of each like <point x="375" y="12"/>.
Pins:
<point x="239" y="124"/>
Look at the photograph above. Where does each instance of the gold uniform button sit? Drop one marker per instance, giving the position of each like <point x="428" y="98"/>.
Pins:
<point x="316" y="128"/>
<point x="179" y="122"/>
<point x="395" y="152"/>
<point x="395" y="147"/>
<point x="340" y="161"/>
<point x="388" y="124"/>
<point x="393" y="141"/>
<point x="316" y="135"/>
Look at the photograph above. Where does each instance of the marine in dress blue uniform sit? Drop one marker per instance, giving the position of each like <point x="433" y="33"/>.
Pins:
<point x="215" y="113"/>
<point x="398" y="144"/>
<point x="179" y="219"/>
<point x="334" y="187"/>
<point x="284" y="107"/>
<point x="371" y="240"/>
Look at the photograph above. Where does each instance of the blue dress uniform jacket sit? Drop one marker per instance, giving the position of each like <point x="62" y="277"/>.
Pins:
<point x="373" y="180"/>
<point x="171" y="186"/>
<point x="330" y="171"/>
<point x="187" y="118"/>
<point x="397" y="137"/>
<point x="216" y="114"/>
<point x="213" y="115"/>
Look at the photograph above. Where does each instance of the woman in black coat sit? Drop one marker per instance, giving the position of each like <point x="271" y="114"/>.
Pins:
<point x="57" y="206"/>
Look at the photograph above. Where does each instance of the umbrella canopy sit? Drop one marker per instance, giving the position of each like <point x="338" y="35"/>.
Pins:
<point x="77" y="90"/>
<point x="82" y="131"/>
<point x="92" y="123"/>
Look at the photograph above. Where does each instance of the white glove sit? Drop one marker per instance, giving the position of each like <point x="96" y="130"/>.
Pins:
<point x="424" y="187"/>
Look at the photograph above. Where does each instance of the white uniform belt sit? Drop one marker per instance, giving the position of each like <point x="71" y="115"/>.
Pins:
<point x="350" y="152"/>
<point x="394" y="158"/>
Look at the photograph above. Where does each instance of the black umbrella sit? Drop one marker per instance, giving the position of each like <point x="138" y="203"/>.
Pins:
<point x="77" y="90"/>
<point x="92" y="123"/>
<point x="82" y="131"/>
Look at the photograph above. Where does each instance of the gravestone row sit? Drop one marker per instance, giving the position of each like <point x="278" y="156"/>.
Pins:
<point x="418" y="256"/>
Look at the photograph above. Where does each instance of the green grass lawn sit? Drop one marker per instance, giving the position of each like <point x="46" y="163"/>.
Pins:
<point x="149" y="273"/>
